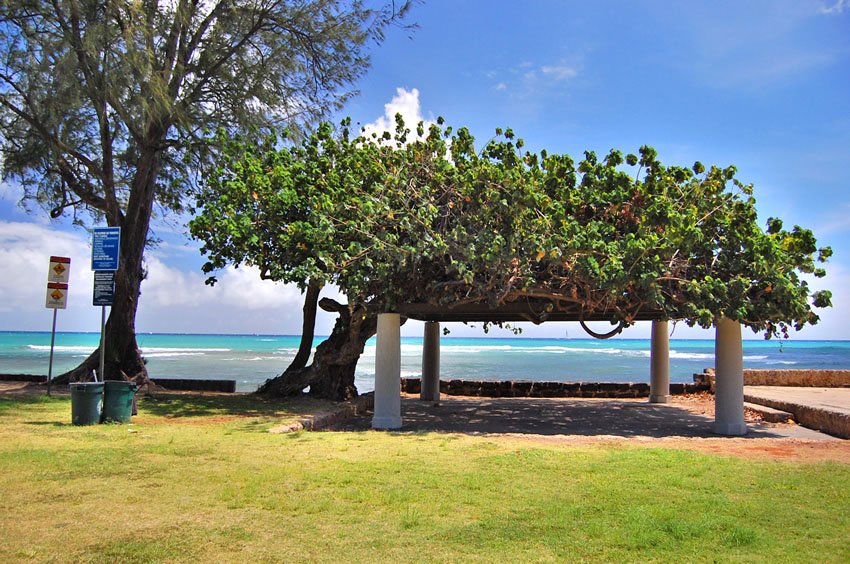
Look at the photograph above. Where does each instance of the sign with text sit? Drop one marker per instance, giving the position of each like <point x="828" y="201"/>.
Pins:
<point x="106" y="242"/>
<point x="57" y="295"/>
<point x="104" y="288"/>
<point x="60" y="269"/>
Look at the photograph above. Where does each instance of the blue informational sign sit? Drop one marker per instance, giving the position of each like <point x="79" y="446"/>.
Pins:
<point x="106" y="242"/>
<point x="104" y="288"/>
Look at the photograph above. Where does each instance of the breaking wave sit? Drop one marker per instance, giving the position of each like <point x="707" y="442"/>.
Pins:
<point x="59" y="348"/>
<point x="170" y="354"/>
<point x="170" y="350"/>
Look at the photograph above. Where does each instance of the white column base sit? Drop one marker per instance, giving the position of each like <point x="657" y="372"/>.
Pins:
<point x="386" y="423"/>
<point x="659" y="399"/>
<point x="387" y="411"/>
<point x="730" y="429"/>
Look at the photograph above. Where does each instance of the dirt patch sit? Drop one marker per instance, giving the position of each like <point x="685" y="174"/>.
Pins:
<point x="189" y="420"/>
<point x="30" y="389"/>
<point x="702" y="403"/>
<point x="795" y="450"/>
<point x="791" y="450"/>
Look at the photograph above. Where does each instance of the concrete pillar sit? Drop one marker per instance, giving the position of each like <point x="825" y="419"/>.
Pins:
<point x="729" y="385"/>
<point x="430" y="388"/>
<point x="387" y="414"/>
<point x="659" y="363"/>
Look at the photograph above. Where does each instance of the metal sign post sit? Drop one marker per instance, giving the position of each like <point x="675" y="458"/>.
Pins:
<point x="104" y="293"/>
<point x="106" y="243"/>
<point x="52" y="342"/>
<point x="102" y="344"/>
<point x="57" y="298"/>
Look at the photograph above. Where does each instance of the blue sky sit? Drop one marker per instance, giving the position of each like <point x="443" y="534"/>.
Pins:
<point x="762" y="85"/>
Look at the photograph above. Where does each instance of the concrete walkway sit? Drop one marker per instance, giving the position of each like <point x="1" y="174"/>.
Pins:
<point x="565" y="416"/>
<point x="824" y="409"/>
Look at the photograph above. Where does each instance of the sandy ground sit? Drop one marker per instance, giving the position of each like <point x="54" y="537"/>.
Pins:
<point x="588" y="422"/>
<point x="28" y="388"/>
<point x="796" y="450"/>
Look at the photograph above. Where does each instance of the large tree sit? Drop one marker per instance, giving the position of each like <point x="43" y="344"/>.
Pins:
<point x="105" y="106"/>
<point x="396" y="219"/>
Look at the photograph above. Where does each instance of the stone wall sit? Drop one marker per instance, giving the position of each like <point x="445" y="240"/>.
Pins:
<point x="802" y="378"/>
<point x="177" y="384"/>
<point x="187" y="384"/>
<point x="22" y="378"/>
<point x="524" y="389"/>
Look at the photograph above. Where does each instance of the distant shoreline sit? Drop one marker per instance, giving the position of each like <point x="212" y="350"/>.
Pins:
<point x="483" y="337"/>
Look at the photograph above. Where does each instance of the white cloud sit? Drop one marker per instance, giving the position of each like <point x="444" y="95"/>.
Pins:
<point x="559" y="72"/>
<point x="172" y="300"/>
<point x="175" y="300"/>
<point x="25" y="250"/>
<point x="406" y="103"/>
<point x="243" y="287"/>
<point x="188" y="246"/>
<point x="528" y="80"/>
<point x="169" y="287"/>
<point x="833" y="320"/>
<point x="837" y="8"/>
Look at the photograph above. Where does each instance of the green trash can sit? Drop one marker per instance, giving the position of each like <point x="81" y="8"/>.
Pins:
<point x="86" y="403"/>
<point x="118" y="401"/>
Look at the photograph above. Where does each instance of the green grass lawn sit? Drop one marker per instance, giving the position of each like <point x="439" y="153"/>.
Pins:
<point x="199" y="479"/>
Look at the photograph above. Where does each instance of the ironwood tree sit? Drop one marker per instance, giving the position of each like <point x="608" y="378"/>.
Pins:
<point x="430" y="218"/>
<point x="105" y="107"/>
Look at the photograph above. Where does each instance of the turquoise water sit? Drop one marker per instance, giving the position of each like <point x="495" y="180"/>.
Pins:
<point x="251" y="359"/>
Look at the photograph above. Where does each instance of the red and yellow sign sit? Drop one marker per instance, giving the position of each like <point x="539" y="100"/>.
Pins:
<point x="57" y="295"/>
<point x="60" y="268"/>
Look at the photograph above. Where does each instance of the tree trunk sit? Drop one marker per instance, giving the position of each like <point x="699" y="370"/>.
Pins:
<point x="308" y="327"/>
<point x="331" y="375"/>
<point x="123" y="357"/>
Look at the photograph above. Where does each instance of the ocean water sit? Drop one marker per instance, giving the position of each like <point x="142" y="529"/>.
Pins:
<point x="251" y="359"/>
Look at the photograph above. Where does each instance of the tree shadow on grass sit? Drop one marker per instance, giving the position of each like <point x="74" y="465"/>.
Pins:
<point x="170" y="405"/>
<point x="11" y="402"/>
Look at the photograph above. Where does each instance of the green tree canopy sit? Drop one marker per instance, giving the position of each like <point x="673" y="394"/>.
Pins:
<point x="432" y="219"/>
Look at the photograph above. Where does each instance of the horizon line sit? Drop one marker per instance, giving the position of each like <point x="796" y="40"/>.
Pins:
<point x="487" y="337"/>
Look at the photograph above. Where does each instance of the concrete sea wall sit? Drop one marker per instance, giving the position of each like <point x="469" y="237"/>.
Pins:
<point x="702" y="382"/>
<point x="793" y="377"/>
<point x="524" y="389"/>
